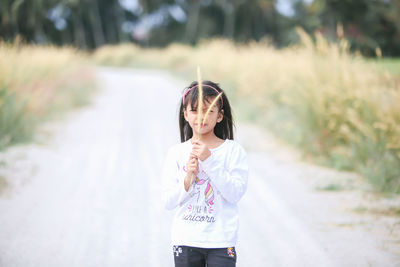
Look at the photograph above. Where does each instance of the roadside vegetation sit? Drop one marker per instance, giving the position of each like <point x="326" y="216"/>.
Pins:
<point x="340" y="108"/>
<point x="38" y="83"/>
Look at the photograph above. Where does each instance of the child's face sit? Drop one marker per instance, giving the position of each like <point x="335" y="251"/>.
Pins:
<point x="191" y="116"/>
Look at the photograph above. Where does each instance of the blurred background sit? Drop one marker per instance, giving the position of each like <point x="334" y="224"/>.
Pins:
<point x="89" y="24"/>
<point x="323" y="74"/>
<point x="320" y="76"/>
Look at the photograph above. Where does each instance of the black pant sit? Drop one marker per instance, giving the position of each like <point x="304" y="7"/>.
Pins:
<point x="200" y="257"/>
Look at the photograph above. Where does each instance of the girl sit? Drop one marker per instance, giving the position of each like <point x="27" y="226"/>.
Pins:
<point x="205" y="225"/>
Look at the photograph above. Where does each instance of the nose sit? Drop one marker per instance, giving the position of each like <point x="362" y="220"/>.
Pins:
<point x="200" y="117"/>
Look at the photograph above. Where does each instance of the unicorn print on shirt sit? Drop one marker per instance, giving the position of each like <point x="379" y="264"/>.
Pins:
<point x="208" y="192"/>
<point x="202" y="190"/>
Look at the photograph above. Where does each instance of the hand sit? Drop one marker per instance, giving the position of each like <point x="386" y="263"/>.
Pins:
<point x="192" y="166"/>
<point x="192" y="169"/>
<point x="200" y="150"/>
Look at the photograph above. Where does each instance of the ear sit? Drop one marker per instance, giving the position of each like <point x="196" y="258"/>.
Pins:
<point x="220" y="116"/>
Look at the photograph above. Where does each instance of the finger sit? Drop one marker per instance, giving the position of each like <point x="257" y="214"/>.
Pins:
<point x="197" y="144"/>
<point x="198" y="147"/>
<point x="196" y="141"/>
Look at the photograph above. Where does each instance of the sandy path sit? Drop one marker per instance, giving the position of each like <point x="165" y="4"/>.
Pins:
<point x="89" y="194"/>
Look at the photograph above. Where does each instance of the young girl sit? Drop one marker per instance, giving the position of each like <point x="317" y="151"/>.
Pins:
<point x="205" y="224"/>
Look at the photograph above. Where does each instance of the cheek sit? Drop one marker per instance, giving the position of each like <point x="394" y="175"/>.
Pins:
<point x="192" y="119"/>
<point x="213" y="117"/>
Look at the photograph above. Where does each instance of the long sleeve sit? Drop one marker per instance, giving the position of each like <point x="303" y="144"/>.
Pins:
<point x="230" y="180"/>
<point x="174" y="192"/>
<point x="206" y="216"/>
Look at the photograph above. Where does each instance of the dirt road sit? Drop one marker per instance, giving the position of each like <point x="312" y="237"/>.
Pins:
<point x="89" y="193"/>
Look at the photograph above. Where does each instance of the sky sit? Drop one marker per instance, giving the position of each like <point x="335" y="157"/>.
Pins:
<point x="59" y="13"/>
<point x="285" y="7"/>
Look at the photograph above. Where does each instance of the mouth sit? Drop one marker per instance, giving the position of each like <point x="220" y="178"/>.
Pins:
<point x="201" y="125"/>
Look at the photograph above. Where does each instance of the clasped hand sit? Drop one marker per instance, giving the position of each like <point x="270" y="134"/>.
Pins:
<point x="199" y="151"/>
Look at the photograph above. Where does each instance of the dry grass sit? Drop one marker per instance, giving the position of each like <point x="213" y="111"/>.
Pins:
<point x="3" y="185"/>
<point x="340" y="108"/>
<point x="213" y="103"/>
<point x="38" y="83"/>
<point x="200" y="102"/>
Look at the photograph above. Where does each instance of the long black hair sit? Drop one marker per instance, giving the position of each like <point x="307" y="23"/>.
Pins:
<point x="223" y="129"/>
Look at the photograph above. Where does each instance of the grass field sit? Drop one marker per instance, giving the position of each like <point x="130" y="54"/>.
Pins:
<point x="341" y="109"/>
<point x="391" y="65"/>
<point x="38" y="83"/>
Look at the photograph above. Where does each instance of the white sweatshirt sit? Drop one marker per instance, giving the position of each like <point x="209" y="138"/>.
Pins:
<point x="207" y="215"/>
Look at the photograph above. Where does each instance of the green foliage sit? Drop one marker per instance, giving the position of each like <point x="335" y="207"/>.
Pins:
<point x="391" y="65"/>
<point x="3" y="184"/>
<point x="331" y="187"/>
<point x="366" y="24"/>
<point x="15" y="123"/>
<point x="91" y="24"/>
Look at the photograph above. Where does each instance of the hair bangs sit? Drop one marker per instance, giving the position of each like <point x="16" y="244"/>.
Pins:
<point x="208" y="96"/>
